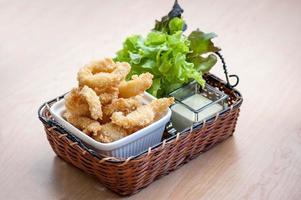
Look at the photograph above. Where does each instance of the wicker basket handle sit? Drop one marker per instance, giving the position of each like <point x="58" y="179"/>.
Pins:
<point x="226" y="72"/>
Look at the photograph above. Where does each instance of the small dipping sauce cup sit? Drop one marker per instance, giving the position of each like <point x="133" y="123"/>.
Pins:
<point x="194" y="104"/>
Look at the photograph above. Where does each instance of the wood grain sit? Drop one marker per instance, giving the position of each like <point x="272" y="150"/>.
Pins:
<point x="43" y="43"/>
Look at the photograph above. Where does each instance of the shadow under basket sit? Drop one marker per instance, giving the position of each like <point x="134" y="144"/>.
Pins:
<point x="128" y="176"/>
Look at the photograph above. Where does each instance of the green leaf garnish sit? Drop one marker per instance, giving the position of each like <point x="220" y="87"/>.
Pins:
<point x="173" y="58"/>
<point x="164" y="24"/>
<point x="201" y="42"/>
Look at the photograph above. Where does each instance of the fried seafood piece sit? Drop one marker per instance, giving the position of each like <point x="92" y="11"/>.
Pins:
<point x="109" y="132"/>
<point x="160" y="106"/>
<point x="143" y="115"/>
<point x="123" y="105"/>
<point x="84" y="102"/>
<point x="106" y="96"/>
<point x="93" y="102"/>
<point x="103" y="79"/>
<point x="87" y="125"/>
<point x="135" y="120"/>
<point x="76" y="103"/>
<point x="136" y="86"/>
<point x="103" y="133"/>
<point x="104" y="65"/>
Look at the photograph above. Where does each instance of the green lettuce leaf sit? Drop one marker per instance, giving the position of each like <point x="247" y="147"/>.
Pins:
<point x="173" y="58"/>
<point x="164" y="24"/>
<point x="176" y="24"/>
<point x="203" y="64"/>
<point x="201" y="43"/>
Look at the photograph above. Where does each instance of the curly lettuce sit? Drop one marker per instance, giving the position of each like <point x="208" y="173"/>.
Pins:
<point x="173" y="58"/>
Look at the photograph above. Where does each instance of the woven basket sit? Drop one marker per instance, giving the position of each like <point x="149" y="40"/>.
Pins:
<point x="126" y="177"/>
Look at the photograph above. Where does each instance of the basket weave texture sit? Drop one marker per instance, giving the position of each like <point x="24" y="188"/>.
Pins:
<point x="126" y="177"/>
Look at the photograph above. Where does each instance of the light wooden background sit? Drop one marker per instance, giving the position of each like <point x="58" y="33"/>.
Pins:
<point x="43" y="44"/>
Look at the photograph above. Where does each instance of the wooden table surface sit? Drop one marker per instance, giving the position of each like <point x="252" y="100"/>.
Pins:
<point x="44" y="43"/>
